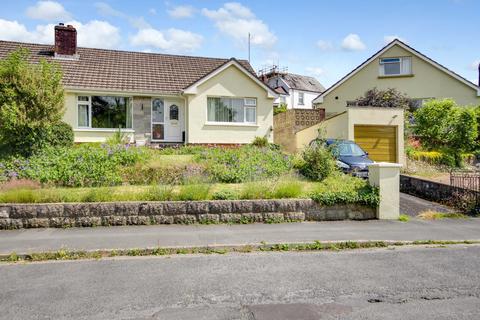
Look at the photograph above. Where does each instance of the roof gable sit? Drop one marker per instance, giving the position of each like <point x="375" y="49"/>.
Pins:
<point x="192" y="88"/>
<point x="410" y="50"/>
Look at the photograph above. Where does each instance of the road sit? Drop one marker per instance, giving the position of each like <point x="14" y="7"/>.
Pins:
<point x="402" y="283"/>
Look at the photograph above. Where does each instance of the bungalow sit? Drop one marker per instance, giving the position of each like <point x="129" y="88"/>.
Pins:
<point x="156" y="97"/>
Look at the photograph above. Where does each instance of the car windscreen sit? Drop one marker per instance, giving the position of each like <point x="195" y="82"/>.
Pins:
<point x="347" y="150"/>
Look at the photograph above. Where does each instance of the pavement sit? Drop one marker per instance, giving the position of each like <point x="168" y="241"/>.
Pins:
<point x="402" y="283"/>
<point x="413" y="206"/>
<point x="129" y="237"/>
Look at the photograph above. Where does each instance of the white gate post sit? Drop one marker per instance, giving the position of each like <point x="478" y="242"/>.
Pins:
<point x="386" y="176"/>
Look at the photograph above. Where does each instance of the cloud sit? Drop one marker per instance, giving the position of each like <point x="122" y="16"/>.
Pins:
<point x="152" y="11"/>
<point x="93" y="34"/>
<point x="48" y="11"/>
<point x="106" y="10"/>
<point x="182" y="12"/>
<point x="324" y="45"/>
<point x="388" y="39"/>
<point x="236" y="21"/>
<point x="352" y="42"/>
<point x="172" y="40"/>
<point x="316" y="71"/>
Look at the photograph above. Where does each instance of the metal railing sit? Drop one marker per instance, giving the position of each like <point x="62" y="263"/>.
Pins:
<point x="467" y="190"/>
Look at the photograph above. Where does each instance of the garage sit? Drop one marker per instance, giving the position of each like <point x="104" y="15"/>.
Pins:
<point x="379" y="141"/>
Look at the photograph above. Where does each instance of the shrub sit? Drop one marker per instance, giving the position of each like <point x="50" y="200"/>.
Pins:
<point x="118" y="137"/>
<point x="344" y="189"/>
<point x="158" y="193"/>
<point x="225" y="194"/>
<point x="441" y="124"/>
<point x="318" y="162"/>
<point x="260" y="142"/>
<point x="288" y="188"/>
<point x="192" y="192"/>
<point x="86" y="165"/>
<point x="280" y="109"/>
<point x="389" y="98"/>
<point x="61" y="134"/>
<point x="243" y="164"/>
<point x="257" y="190"/>
<point x="31" y="101"/>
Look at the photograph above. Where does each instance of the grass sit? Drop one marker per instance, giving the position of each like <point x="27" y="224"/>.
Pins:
<point x="160" y="161"/>
<point x="65" y="254"/>
<point x="285" y="187"/>
<point x="404" y="218"/>
<point x="435" y="215"/>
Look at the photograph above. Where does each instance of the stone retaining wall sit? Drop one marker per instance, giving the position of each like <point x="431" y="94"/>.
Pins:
<point x="61" y="215"/>
<point x="426" y="189"/>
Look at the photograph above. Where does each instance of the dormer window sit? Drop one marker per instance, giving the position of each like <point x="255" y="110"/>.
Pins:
<point x="396" y="66"/>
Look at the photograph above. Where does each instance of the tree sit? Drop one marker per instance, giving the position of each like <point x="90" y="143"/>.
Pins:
<point x="31" y="102"/>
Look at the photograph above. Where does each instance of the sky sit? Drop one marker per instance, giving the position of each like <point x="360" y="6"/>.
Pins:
<point x="324" y="39"/>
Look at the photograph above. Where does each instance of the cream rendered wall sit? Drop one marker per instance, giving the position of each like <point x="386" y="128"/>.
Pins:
<point x="379" y="116"/>
<point x="341" y="126"/>
<point x="427" y="82"/>
<point x="229" y="83"/>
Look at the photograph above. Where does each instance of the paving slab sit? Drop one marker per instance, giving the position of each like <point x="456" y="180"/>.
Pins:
<point x="128" y="237"/>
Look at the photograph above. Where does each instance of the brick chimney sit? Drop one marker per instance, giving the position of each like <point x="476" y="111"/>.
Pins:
<point x="65" y="41"/>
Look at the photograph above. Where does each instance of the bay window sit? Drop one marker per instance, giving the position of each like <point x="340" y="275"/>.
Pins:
<point x="232" y="110"/>
<point x="104" y="112"/>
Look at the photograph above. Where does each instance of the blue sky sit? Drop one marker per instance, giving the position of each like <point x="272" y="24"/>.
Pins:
<point x="326" y="39"/>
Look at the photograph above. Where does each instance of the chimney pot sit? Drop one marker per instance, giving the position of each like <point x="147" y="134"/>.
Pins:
<point x="65" y="40"/>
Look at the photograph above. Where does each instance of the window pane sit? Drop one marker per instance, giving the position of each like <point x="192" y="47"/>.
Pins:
<point x="83" y="115"/>
<point x="250" y="114"/>
<point x="212" y="108"/>
<point x="392" y="68"/>
<point x="158" y="111"/>
<point x="157" y="131"/>
<point x="173" y="112"/>
<point x="109" y="112"/>
<point x="237" y="110"/>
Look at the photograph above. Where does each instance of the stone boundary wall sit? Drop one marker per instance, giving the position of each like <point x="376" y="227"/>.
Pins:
<point x="426" y="189"/>
<point x="61" y="215"/>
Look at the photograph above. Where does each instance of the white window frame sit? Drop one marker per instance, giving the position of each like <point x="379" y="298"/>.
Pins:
<point x="301" y="99"/>
<point x="83" y="103"/>
<point x="90" y="111"/>
<point x="403" y="68"/>
<point x="245" y="107"/>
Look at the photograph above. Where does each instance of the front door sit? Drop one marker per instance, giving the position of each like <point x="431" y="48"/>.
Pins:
<point x="158" y="120"/>
<point x="174" y="122"/>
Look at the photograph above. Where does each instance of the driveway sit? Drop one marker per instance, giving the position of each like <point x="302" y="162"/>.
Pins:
<point x="412" y="206"/>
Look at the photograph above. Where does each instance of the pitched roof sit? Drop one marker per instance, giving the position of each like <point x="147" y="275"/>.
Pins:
<point x="301" y="82"/>
<point x="100" y="69"/>
<point x="403" y="45"/>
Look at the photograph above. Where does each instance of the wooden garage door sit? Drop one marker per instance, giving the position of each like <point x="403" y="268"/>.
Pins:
<point x="379" y="141"/>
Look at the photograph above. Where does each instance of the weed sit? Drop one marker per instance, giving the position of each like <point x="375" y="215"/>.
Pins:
<point x="435" y="215"/>
<point x="404" y="218"/>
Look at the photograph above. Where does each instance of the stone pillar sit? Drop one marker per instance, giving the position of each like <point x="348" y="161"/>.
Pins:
<point x="386" y="176"/>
